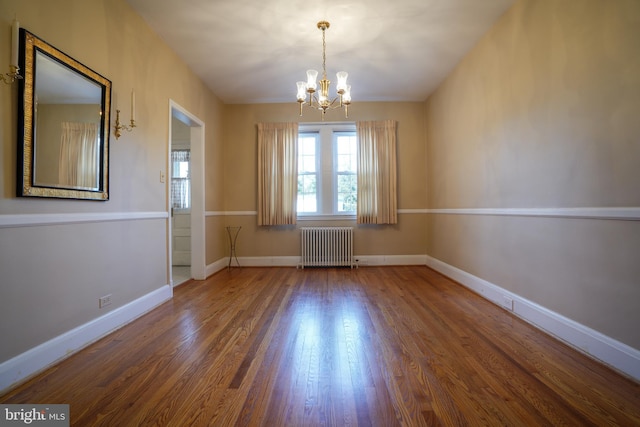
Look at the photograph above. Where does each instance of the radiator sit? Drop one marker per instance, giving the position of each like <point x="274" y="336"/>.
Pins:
<point x="327" y="246"/>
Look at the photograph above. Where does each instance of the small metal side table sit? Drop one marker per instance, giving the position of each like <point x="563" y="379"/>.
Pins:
<point x="233" y="238"/>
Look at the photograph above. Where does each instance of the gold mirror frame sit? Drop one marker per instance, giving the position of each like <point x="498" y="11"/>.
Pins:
<point x="33" y="50"/>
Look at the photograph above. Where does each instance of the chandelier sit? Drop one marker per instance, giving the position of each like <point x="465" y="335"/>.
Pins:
<point x="307" y="90"/>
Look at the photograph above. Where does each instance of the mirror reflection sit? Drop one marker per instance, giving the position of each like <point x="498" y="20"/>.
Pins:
<point x="66" y="116"/>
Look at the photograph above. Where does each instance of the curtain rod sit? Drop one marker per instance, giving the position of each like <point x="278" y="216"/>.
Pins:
<point x="326" y="123"/>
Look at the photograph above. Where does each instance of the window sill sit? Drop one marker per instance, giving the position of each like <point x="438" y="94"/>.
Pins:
<point x="327" y="217"/>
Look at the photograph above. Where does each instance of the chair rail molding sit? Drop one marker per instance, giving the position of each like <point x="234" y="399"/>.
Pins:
<point x="34" y="220"/>
<point x="612" y="213"/>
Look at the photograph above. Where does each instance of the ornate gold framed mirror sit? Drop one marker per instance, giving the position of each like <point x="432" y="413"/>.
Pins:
<point x="63" y="125"/>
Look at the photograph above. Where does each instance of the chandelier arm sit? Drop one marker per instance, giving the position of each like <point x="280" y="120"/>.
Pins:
<point x="333" y="101"/>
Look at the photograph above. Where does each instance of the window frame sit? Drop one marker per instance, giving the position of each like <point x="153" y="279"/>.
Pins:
<point x="326" y="169"/>
<point x="317" y="172"/>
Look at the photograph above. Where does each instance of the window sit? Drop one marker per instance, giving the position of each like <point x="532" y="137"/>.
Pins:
<point x="180" y="179"/>
<point x="307" y="172"/>
<point x="346" y="162"/>
<point x="327" y="170"/>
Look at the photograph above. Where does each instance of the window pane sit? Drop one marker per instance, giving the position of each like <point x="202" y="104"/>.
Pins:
<point x="345" y="169"/>
<point x="307" y="145"/>
<point x="346" y="153"/>
<point x="307" y="173"/>
<point x="307" y="201"/>
<point x="180" y="170"/>
<point x="306" y="184"/>
<point x="347" y="192"/>
<point x="307" y="164"/>
<point x="180" y="184"/>
<point x="306" y="154"/>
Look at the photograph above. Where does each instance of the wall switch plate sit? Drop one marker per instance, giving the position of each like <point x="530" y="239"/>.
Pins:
<point x="104" y="301"/>
<point x="161" y="176"/>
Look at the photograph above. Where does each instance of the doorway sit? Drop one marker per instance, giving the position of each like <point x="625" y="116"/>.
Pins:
<point x="180" y="200"/>
<point x="186" y="196"/>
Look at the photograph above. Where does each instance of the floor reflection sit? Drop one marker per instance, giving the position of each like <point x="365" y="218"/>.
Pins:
<point x="329" y="365"/>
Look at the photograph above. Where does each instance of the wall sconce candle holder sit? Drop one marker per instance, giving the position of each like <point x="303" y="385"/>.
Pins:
<point x="14" y="69"/>
<point x="12" y="75"/>
<point x="120" y="127"/>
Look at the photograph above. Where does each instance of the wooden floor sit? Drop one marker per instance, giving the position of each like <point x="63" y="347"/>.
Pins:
<point x="334" y="347"/>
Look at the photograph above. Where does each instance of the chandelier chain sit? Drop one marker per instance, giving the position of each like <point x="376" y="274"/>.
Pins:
<point x="324" y="55"/>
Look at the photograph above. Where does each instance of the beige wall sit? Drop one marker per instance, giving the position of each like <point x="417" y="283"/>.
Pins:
<point x="408" y="237"/>
<point x="543" y="113"/>
<point x="51" y="276"/>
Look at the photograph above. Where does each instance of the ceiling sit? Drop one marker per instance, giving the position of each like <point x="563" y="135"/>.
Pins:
<point x="254" y="51"/>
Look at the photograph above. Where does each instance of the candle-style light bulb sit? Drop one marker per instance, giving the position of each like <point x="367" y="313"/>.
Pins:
<point x="341" y="86"/>
<point x="346" y="97"/>
<point x="15" y="37"/>
<point x="311" y="80"/>
<point x="302" y="91"/>
<point x="133" y="106"/>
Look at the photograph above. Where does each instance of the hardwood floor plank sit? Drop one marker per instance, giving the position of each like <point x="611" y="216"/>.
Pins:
<point x="254" y="393"/>
<point x="376" y="346"/>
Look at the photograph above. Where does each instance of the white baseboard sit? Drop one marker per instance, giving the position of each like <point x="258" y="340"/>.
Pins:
<point x="618" y="355"/>
<point x="285" y="261"/>
<point x="37" y="359"/>
<point x="363" y="260"/>
<point x="216" y="266"/>
<point x="274" y="261"/>
<point x="294" y="261"/>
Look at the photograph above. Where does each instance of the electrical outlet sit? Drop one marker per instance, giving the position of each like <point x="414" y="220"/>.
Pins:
<point x="104" y="301"/>
<point x="507" y="303"/>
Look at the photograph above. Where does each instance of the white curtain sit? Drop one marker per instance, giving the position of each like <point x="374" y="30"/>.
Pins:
<point x="79" y="155"/>
<point x="377" y="175"/>
<point x="277" y="173"/>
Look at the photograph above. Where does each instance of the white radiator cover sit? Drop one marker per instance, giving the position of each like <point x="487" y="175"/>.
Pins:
<point x="327" y="247"/>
